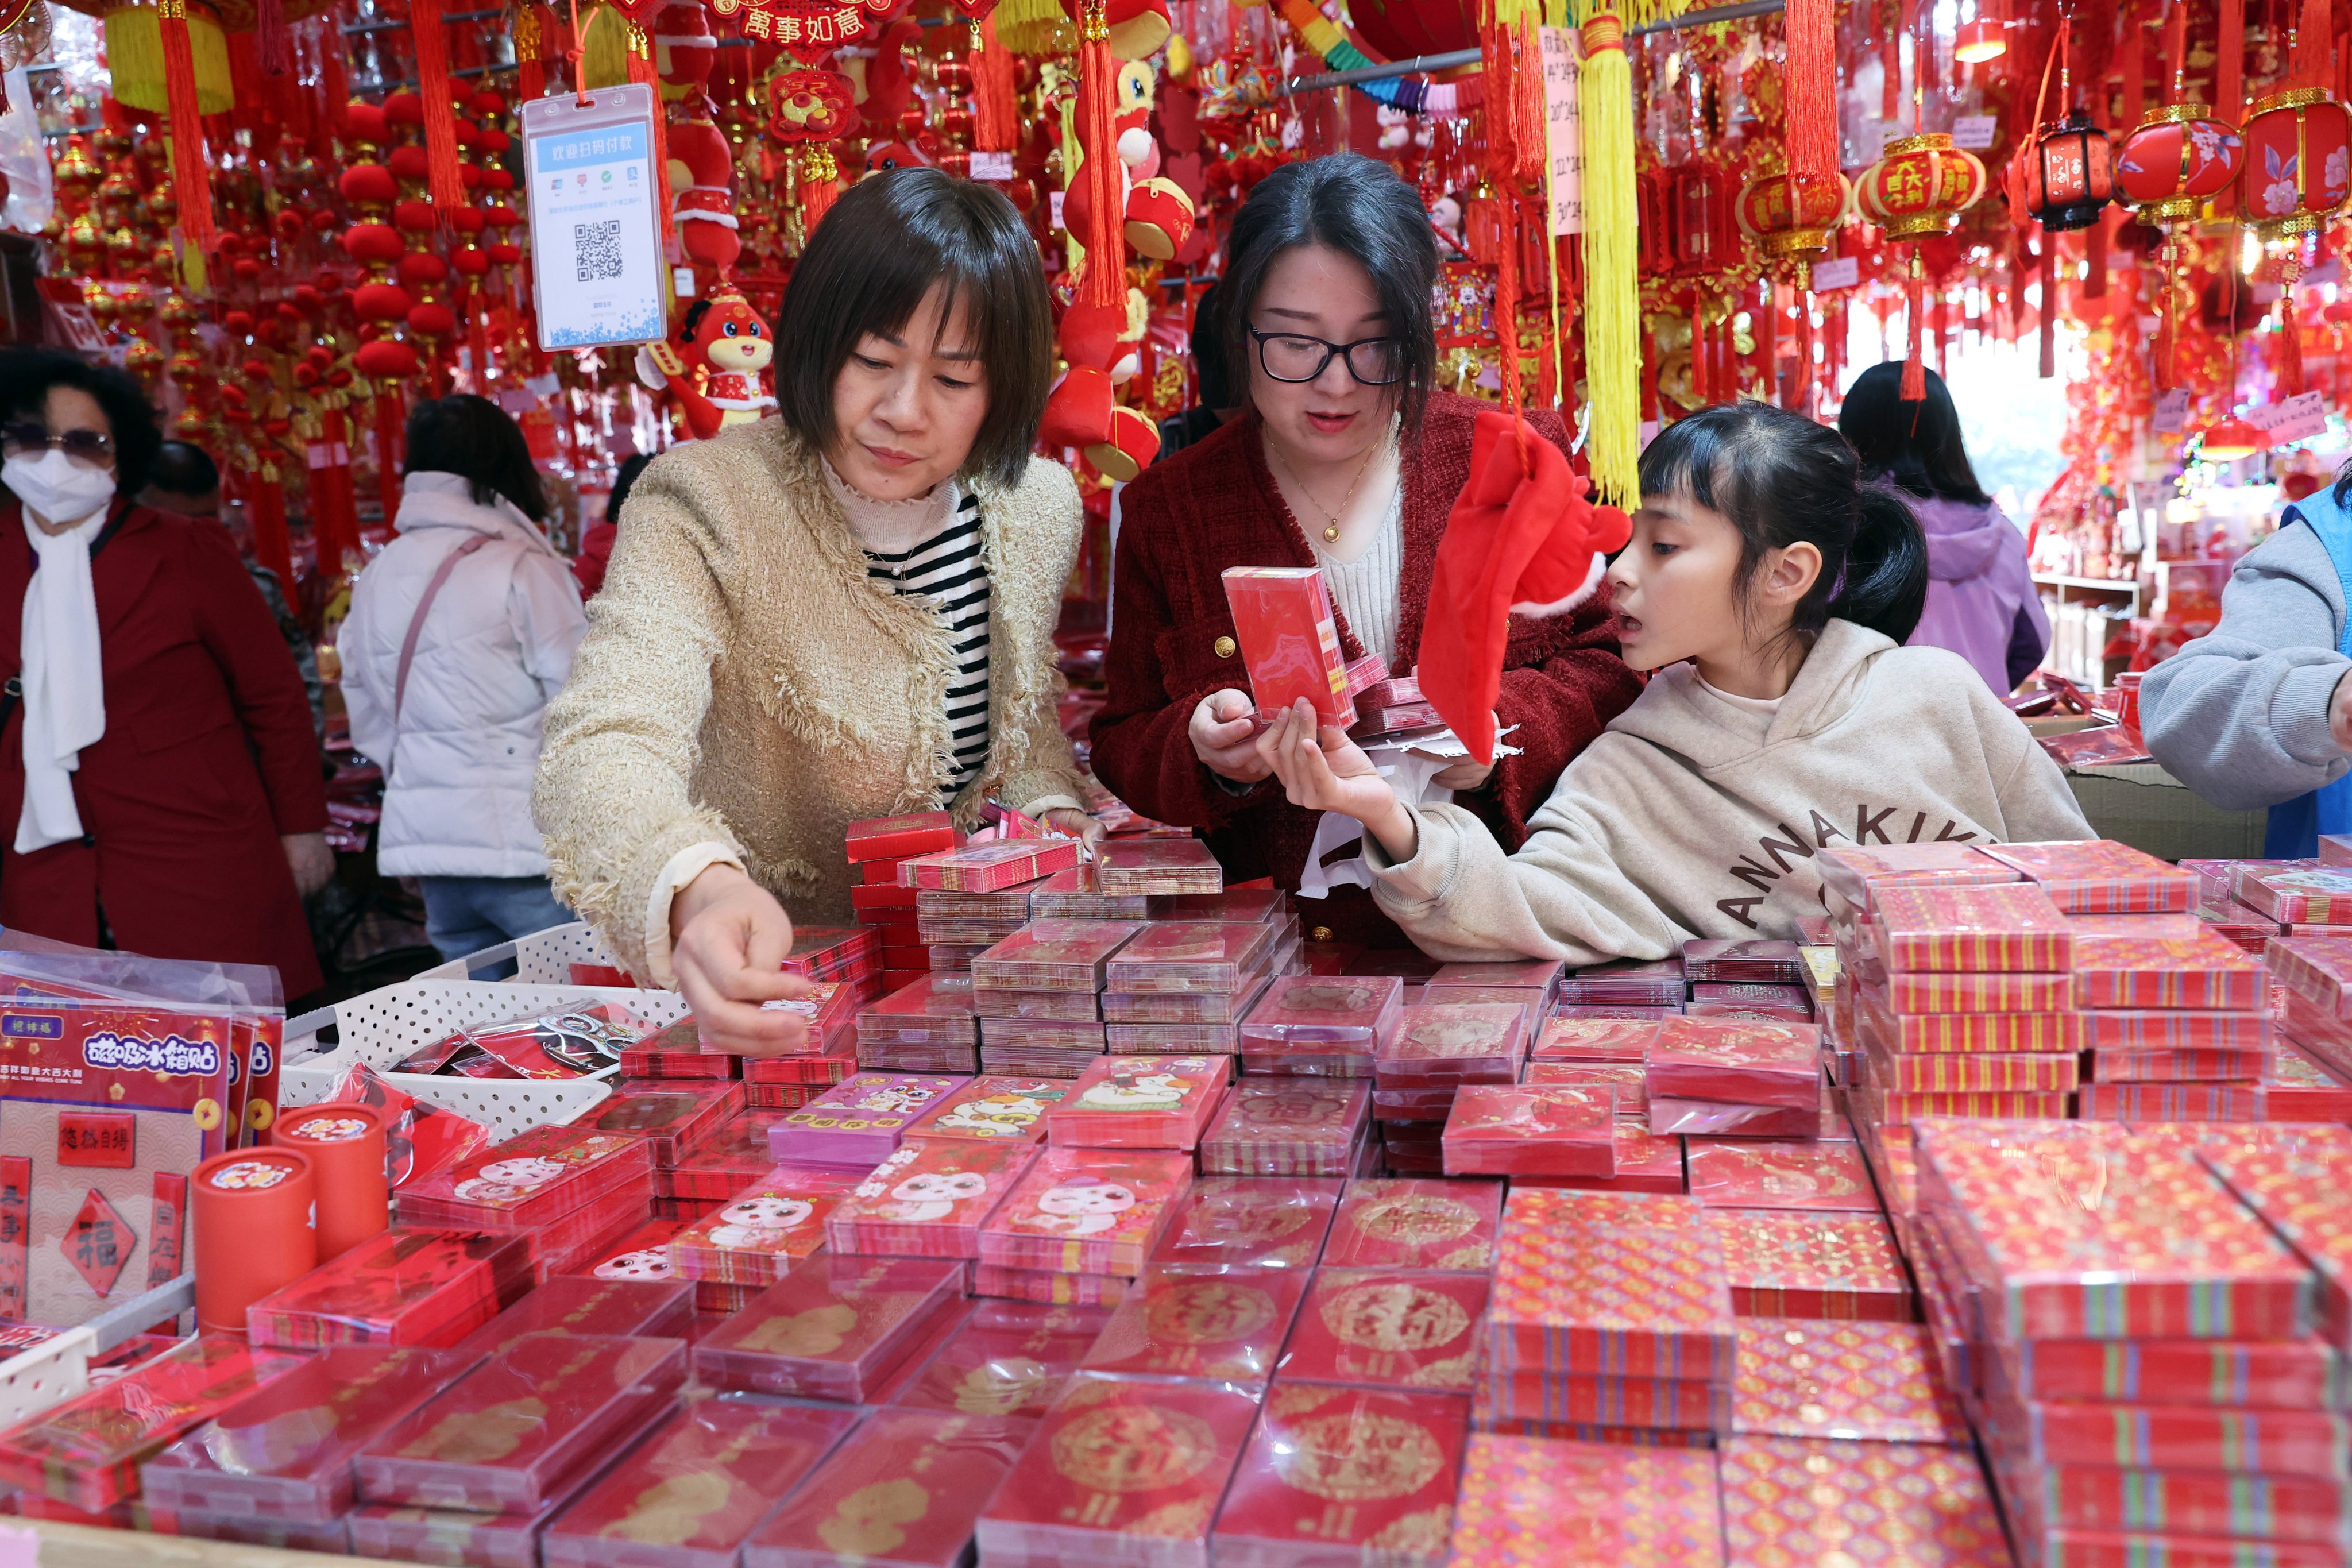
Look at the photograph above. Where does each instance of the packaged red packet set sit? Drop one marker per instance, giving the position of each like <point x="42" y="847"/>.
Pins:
<point x="1212" y="1323"/>
<point x="1157" y="868"/>
<point x="928" y="1200"/>
<point x="1819" y="1175"/>
<point x="1611" y="1505"/>
<point x="1289" y="641"/>
<point x="1010" y="1358"/>
<point x="1388" y="1328"/>
<point x="1798" y="1500"/>
<point x="400" y="1288"/>
<point x="677" y="1120"/>
<point x="1333" y="1470"/>
<point x="834" y="952"/>
<point x="677" y="1052"/>
<point x="2101" y="876"/>
<point x="860" y="1120"/>
<point x="834" y="1329"/>
<point x="736" y="1155"/>
<point x="1141" y="1103"/>
<point x="1412" y="1224"/>
<point x="87" y="1451"/>
<point x="579" y="1304"/>
<point x="1257" y="1222"/>
<point x="1052" y="955"/>
<point x="1217" y="957"/>
<point x="1462" y="1043"/>
<point x="1968" y="929"/>
<point x="510" y="1435"/>
<point x="1305" y="1021"/>
<point x="1609" y="1284"/>
<point x="2321" y="896"/>
<point x="764" y="1232"/>
<point x="1755" y="961"/>
<point x="1626" y="981"/>
<point x="1121" y="1474"/>
<point x="1087" y="1211"/>
<point x="901" y="1492"/>
<point x="2193" y="972"/>
<point x="992" y="1109"/>
<point x="990" y="866"/>
<point x="1737" y="1062"/>
<point x="1858" y="874"/>
<point x="898" y="837"/>
<point x="284" y="1452"/>
<point x="1532" y="1129"/>
<point x="1875" y="1381"/>
<point x="1787" y="1263"/>
<point x="690" y="1493"/>
<point x="1595" y="1040"/>
<point x="530" y="1180"/>
<point x="1287" y="1126"/>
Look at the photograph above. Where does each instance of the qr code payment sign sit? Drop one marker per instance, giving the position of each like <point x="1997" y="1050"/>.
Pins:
<point x="597" y="250"/>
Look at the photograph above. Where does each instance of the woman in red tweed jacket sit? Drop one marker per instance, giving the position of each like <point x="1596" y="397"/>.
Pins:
<point x="1345" y="459"/>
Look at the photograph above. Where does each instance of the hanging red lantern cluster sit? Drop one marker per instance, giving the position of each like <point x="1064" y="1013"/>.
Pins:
<point x="2298" y="162"/>
<point x="2066" y="173"/>
<point x="1918" y="191"/>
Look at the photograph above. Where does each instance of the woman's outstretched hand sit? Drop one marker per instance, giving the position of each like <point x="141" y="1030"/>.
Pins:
<point x="729" y="939"/>
<point x="1325" y="771"/>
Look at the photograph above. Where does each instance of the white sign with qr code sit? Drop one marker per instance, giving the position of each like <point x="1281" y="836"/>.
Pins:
<point x="595" y="227"/>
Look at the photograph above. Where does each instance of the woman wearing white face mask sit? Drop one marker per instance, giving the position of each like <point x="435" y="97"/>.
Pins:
<point x="159" y="778"/>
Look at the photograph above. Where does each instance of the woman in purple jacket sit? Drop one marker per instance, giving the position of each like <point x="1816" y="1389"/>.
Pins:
<point x="1981" y="599"/>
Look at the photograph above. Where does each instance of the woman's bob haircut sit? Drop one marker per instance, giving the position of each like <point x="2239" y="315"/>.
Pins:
<point x="889" y="240"/>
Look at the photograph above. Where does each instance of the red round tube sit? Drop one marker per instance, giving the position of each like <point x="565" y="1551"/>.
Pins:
<point x="344" y="1144"/>
<point x="254" y="1234"/>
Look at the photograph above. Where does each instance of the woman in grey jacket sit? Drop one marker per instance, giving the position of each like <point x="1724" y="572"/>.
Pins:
<point x="2259" y="714"/>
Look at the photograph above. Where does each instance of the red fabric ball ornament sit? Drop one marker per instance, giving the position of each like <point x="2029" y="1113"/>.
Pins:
<point x="306" y="375"/>
<point x="404" y="108"/>
<point x="467" y="220"/>
<point x="488" y="101"/>
<point x="419" y="267"/>
<point x="319" y="356"/>
<point x="473" y="261"/>
<point x="323" y="219"/>
<point x="287" y="223"/>
<point x="382" y="302"/>
<point x="366" y="183"/>
<point x="385" y="359"/>
<point x="414" y="217"/>
<point x="408" y="163"/>
<point x="495" y="141"/>
<point x="365" y="122"/>
<point x="432" y="319"/>
<point x="501" y="216"/>
<point x="367" y="242"/>
<point x="246" y="269"/>
<point x="238" y="323"/>
<point x="255" y="370"/>
<point x="506" y="253"/>
<point x="497" y="179"/>
<point x="307" y="300"/>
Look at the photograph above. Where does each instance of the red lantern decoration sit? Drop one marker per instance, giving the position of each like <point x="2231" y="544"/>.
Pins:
<point x="1920" y="187"/>
<point x="2298" y="162"/>
<point x="2066" y="173"/>
<point x="1789" y="219"/>
<point x="2178" y="159"/>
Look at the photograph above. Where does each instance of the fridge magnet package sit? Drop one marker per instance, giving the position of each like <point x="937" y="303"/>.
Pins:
<point x="1010" y="1358"/>
<point x="510" y="1435"/>
<point x="1203" y="1322"/>
<point x="834" y="1329"/>
<point x="1415" y="1223"/>
<point x="691" y="1491"/>
<point x="1388" y="1328"/>
<point x="1346" y="1475"/>
<point x="903" y="1490"/>
<point x="928" y="1200"/>
<point x="1121" y="1474"/>
<point x="1256" y="1221"/>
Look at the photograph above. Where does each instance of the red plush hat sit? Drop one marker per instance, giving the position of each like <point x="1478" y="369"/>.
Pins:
<point x="1522" y="536"/>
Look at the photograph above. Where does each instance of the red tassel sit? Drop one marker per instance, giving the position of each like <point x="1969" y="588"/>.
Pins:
<point x="2049" y="305"/>
<point x="1105" y="283"/>
<point x="1502" y="160"/>
<point x="1801" y="389"/>
<point x="272" y="37"/>
<point x="1506" y="299"/>
<point x="191" y="178"/>
<point x="267" y="510"/>
<point x="2290" y="345"/>
<point x="2095" y="259"/>
<point x="529" y="45"/>
<point x="641" y="70"/>
<point x="1811" y="137"/>
<point x="2135" y="47"/>
<point x="442" y="181"/>
<point x="2229" y="72"/>
<point x="389" y="418"/>
<point x="2312" y="35"/>
<point x="1914" y="369"/>
<point x="1531" y="129"/>
<point x="995" y="103"/>
<point x="818" y="189"/>
<point x="1890" y="62"/>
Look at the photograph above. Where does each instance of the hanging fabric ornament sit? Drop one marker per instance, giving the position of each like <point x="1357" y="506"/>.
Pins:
<point x="1612" y="312"/>
<point x="819" y="186"/>
<point x="442" y="180"/>
<point x="530" y="70"/>
<point x="2179" y="157"/>
<point x="2230" y="64"/>
<point x="191" y="180"/>
<point x="272" y="40"/>
<point x="1918" y="191"/>
<point x="1105" y="279"/>
<point x="995" y="97"/>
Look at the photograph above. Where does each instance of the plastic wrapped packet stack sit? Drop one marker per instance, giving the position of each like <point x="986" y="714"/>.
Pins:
<point x="875" y="848"/>
<point x="678" y="1120"/>
<point x="1610" y="1310"/>
<point x="1120" y="1475"/>
<point x="903" y="1488"/>
<point x="1605" y="1505"/>
<point x="1318" y="1026"/>
<point x="989" y="868"/>
<point x="1825" y="1176"/>
<point x="1310" y="1450"/>
<point x="569" y="1186"/>
<point x="511" y="1435"/>
<point x="2174" y="1020"/>
<point x="677" y="1052"/>
<point x="859" y="1121"/>
<point x="1204" y="1323"/>
<point x="1532" y="1129"/>
<point x="1081" y="1224"/>
<point x="2299" y="897"/>
<point x="1430" y="1055"/>
<point x="1124" y="867"/>
<point x="2140" y="1361"/>
<point x="573" y="1304"/>
<point x="991" y="1109"/>
<point x="949" y="916"/>
<point x="1880" y="1383"/>
<point x="1734" y="1077"/>
<point x="1039" y="994"/>
<point x="926" y="1025"/>
<point x="873" y="1312"/>
<point x="1388" y="1328"/>
<point x="399" y="1288"/>
<point x="1818" y="1501"/>
<point x="1795" y="1263"/>
<point x="928" y="1200"/>
<point x="736" y="1156"/>
<point x="1628" y="988"/>
<point x="1184" y="986"/>
<point x="1413" y="1223"/>
<point x="1009" y="1359"/>
<point x="1141" y="1103"/>
<point x="1289" y="1127"/>
<point x="1256" y="1221"/>
<point x="2312" y="980"/>
<point x="787" y="1083"/>
<point x="1758" y="980"/>
<point x="1531" y="983"/>
<point x="774" y="1223"/>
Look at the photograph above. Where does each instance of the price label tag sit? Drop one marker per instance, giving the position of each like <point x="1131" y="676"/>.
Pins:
<point x="991" y="165"/>
<point x="2171" y="411"/>
<point x="1843" y="272"/>
<point x="1054" y="198"/>
<point x="1974" y="132"/>
<point x="595" y="230"/>
<point x="2295" y="419"/>
<point x="1564" y="48"/>
<point x="101" y="1139"/>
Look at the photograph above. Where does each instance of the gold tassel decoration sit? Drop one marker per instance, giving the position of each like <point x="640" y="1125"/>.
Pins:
<point x="1612" y="304"/>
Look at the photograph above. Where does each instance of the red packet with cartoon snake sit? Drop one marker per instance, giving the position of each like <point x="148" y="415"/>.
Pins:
<point x="764" y="1230"/>
<point x="687" y="1496"/>
<point x="1087" y="1211"/>
<point x="1142" y="1102"/>
<point x="530" y="1180"/>
<point x="901" y="1492"/>
<point x="928" y="1200"/>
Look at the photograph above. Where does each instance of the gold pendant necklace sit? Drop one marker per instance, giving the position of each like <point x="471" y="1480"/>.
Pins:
<point x="1331" y="534"/>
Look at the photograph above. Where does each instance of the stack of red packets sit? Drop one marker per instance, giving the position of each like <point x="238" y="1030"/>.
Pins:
<point x="1080" y="1225"/>
<point x="1320" y="1025"/>
<point x="876" y="848"/>
<point x="1735" y="1077"/>
<point x="573" y="1189"/>
<point x="1423" y="1065"/>
<point x="1184" y="986"/>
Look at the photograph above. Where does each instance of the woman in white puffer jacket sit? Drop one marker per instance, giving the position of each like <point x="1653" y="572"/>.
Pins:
<point x="484" y="615"/>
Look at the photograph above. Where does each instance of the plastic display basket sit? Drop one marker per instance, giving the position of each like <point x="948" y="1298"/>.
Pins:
<point x="387" y="1026"/>
<point x="542" y="958"/>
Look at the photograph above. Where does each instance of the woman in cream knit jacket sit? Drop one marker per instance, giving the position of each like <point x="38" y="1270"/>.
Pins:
<point x="841" y="614"/>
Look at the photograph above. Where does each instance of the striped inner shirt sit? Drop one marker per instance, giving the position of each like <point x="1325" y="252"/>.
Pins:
<point x="947" y="569"/>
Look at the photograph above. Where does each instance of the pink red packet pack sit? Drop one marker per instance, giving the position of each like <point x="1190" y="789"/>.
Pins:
<point x="1217" y="957"/>
<point x="835" y="1329"/>
<point x="928" y="1200"/>
<point x="1053" y="955"/>
<point x="530" y="1180"/>
<point x="1158" y="867"/>
<point x="1141" y="1103"/>
<point x="1087" y="1211"/>
<point x="860" y="1120"/>
<point x="992" y="1109"/>
<point x="765" y="1230"/>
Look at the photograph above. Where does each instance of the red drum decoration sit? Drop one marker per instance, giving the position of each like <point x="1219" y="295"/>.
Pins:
<point x="2067" y="173"/>
<point x="1920" y="187"/>
<point x="2298" y="165"/>
<point x="2179" y="158"/>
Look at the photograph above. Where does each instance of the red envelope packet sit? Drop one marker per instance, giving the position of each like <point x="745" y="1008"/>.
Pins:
<point x="1011" y="1358"/>
<point x="902" y="1491"/>
<point x="1798" y="1500"/>
<point x="1770" y="1175"/>
<point x="1879" y="1382"/>
<point x="1141" y="1103"/>
<point x="1332" y="1471"/>
<point x="399" y="1288"/>
<point x="928" y="1200"/>
<point x="1158" y="867"/>
<point x="1388" y="1328"/>
<point x="1415" y="1223"/>
<point x="678" y="1120"/>
<point x="1090" y="1211"/>
<point x="1259" y="1222"/>
<point x="834" y="1329"/>
<point x="577" y="1304"/>
<point x="1527" y="1502"/>
<point x="530" y="1180"/>
<point x="765" y="1230"/>
<point x="1221" y="1325"/>
<point x="1737" y="1062"/>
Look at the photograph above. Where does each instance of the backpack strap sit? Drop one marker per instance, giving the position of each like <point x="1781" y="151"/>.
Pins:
<point x="416" y="628"/>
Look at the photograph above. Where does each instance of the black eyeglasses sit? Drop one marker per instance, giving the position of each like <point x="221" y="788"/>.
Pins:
<point x="90" y="449"/>
<point x="1294" y="356"/>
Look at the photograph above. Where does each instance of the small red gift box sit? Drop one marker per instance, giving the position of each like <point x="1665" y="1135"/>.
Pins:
<point x="1289" y="641"/>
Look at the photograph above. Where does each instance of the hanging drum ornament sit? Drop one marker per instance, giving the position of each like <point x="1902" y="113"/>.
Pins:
<point x="2298" y="165"/>
<point x="2178" y="159"/>
<point x="2068" y="173"/>
<point x="1791" y="221"/>
<point x="1922" y="185"/>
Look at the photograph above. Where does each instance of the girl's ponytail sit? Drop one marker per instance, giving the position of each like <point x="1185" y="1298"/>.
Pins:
<point x="1886" y="583"/>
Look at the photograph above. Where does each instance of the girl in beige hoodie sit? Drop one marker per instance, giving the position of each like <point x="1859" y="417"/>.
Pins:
<point x="1770" y="590"/>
